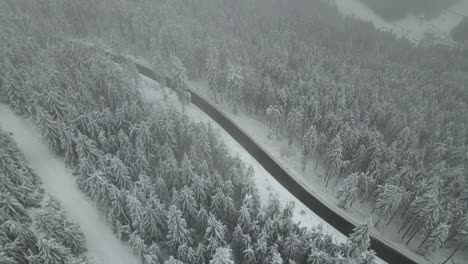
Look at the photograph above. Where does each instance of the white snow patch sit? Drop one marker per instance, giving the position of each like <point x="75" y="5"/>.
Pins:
<point x="103" y="247"/>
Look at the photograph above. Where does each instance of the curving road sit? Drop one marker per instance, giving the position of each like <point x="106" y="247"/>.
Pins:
<point x="384" y="249"/>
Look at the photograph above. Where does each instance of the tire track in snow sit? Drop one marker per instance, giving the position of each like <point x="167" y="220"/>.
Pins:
<point x="103" y="246"/>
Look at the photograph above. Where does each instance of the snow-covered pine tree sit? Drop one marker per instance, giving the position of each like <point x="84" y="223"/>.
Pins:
<point x="178" y="233"/>
<point x="186" y="254"/>
<point x="390" y="199"/>
<point x="199" y="187"/>
<point x="222" y="206"/>
<point x="222" y="255"/>
<point x="335" y="158"/>
<point x="117" y="172"/>
<point x="186" y="202"/>
<point x="186" y="170"/>
<point x="293" y="246"/>
<point x="360" y="239"/>
<point x="235" y="82"/>
<point x="87" y="149"/>
<point x="435" y="240"/>
<point x="274" y="114"/>
<point x="275" y="256"/>
<point x="321" y="146"/>
<point x="12" y="208"/>
<point x="245" y="219"/>
<point x="153" y="220"/>
<point x="309" y="143"/>
<point x="97" y="187"/>
<point x="180" y="80"/>
<point x="138" y="245"/>
<point x="12" y="91"/>
<point x="49" y="128"/>
<point x="317" y="256"/>
<point x="294" y="125"/>
<point x="349" y="191"/>
<point x="212" y="71"/>
<point x="172" y="260"/>
<point x="369" y="257"/>
<point x="50" y="251"/>
<point x="249" y="255"/>
<point x="215" y="233"/>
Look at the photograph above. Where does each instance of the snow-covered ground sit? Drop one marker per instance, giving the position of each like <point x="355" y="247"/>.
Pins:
<point x="103" y="247"/>
<point x="411" y="27"/>
<point x="257" y="128"/>
<point x="267" y="185"/>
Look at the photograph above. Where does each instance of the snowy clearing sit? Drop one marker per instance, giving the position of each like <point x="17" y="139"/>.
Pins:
<point x="103" y="247"/>
<point x="267" y="185"/>
<point x="412" y="27"/>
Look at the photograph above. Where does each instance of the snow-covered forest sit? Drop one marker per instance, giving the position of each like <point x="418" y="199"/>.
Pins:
<point x="33" y="227"/>
<point x="383" y="119"/>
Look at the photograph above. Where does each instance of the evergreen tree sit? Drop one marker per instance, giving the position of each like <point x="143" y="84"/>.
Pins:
<point x="180" y="81"/>
<point x="275" y="257"/>
<point x="97" y="187"/>
<point x="292" y="246"/>
<point x="222" y="256"/>
<point x="186" y="202"/>
<point x="309" y="143"/>
<point x="86" y="148"/>
<point x="199" y="187"/>
<point x="178" y="233"/>
<point x="274" y="114"/>
<point x="186" y="254"/>
<point x="369" y="257"/>
<point x="234" y="83"/>
<point x="12" y="91"/>
<point x="389" y="200"/>
<point x="435" y="240"/>
<point x="215" y="231"/>
<point x="335" y="158"/>
<point x="349" y="191"/>
<point x="317" y="256"/>
<point x="12" y="208"/>
<point x="153" y="219"/>
<point x="49" y="128"/>
<point x="117" y="172"/>
<point x="52" y="252"/>
<point x="172" y="260"/>
<point x="186" y="170"/>
<point x="212" y="71"/>
<point x="294" y="125"/>
<point x="249" y="255"/>
<point x="222" y="206"/>
<point x="360" y="239"/>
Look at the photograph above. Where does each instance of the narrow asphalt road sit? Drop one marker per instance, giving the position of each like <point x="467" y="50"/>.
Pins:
<point x="384" y="249"/>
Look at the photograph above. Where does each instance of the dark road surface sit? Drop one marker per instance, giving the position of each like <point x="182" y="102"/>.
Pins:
<point x="383" y="249"/>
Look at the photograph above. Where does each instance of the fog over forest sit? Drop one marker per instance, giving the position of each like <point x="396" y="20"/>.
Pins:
<point x="225" y="132"/>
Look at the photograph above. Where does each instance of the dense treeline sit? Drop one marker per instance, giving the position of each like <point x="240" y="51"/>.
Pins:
<point x="33" y="229"/>
<point x="387" y="118"/>
<point x="167" y="186"/>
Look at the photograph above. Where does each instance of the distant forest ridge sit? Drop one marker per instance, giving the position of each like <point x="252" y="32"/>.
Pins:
<point x="391" y="10"/>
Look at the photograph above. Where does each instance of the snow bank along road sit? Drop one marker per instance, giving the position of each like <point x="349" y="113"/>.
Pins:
<point x="103" y="247"/>
<point x="384" y="249"/>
